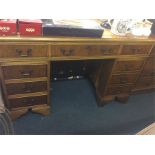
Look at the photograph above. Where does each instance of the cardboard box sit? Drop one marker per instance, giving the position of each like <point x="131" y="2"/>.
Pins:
<point x="8" y="27"/>
<point x="28" y="27"/>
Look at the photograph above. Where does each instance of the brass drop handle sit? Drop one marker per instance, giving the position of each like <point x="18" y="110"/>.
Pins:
<point x="27" y="88"/>
<point x="29" y="51"/>
<point x="26" y="100"/>
<point x="22" y="54"/>
<point x="19" y="52"/>
<point x="67" y="52"/>
<point x="106" y="50"/>
<point x="89" y="48"/>
<point x="123" y="80"/>
<point x="26" y="73"/>
<point x="27" y="91"/>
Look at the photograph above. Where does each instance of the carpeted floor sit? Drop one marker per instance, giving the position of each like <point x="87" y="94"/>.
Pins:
<point x="75" y="112"/>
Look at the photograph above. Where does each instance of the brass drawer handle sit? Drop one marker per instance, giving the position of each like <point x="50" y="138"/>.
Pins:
<point x="27" y="91"/>
<point x="27" y="100"/>
<point x="27" y="88"/>
<point x="115" y="92"/>
<point x="123" y="80"/>
<point x="89" y="48"/>
<point x="22" y="54"/>
<point x="67" y="52"/>
<point x="27" y="73"/>
<point x="18" y="51"/>
<point x="106" y="50"/>
<point x="29" y="52"/>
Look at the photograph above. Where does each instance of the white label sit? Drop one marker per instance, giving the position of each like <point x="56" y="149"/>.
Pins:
<point x="4" y="28"/>
<point x="30" y="30"/>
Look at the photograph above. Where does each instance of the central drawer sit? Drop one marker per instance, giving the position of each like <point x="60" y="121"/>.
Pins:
<point x="84" y="50"/>
<point x="128" y="66"/>
<point x="27" y="87"/>
<point x="28" y="101"/>
<point x="16" y="51"/>
<point x="24" y="71"/>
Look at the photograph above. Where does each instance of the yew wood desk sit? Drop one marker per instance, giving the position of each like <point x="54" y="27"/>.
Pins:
<point x="25" y="65"/>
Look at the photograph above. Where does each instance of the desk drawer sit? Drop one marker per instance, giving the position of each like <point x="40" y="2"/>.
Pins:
<point x="136" y="49"/>
<point x="125" y="66"/>
<point x="84" y="50"/>
<point x="100" y="50"/>
<point x="27" y="87"/>
<point x="115" y="90"/>
<point x="145" y="82"/>
<point x="16" y="51"/>
<point x="24" y="71"/>
<point x="28" y="101"/>
<point x="123" y="79"/>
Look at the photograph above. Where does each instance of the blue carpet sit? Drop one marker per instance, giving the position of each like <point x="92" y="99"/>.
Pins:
<point x="75" y="112"/>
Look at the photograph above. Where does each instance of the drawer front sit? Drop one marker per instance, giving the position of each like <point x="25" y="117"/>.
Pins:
<point x="115" y="90"/>
<point x="136" y="49"/>
<point x="28" y="87"/>
<point x="123" y="79"/>
<point x="143" y="83"/>
<point x="124" y="66"/>
<point x="28" y="101"/>
<point x="100" y="50"/>
<point x="84" y="50"/>
<point x="10" y="51"/>
<point x="24" y="71"/>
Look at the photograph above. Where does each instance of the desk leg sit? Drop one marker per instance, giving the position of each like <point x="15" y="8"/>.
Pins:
<point x="122" y="99"/>
<point x="17" y="113"/>
<point x="44" y="110"/>
<point x="102" y="101"/>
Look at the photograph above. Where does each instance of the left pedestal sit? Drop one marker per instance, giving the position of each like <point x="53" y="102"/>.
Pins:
<point x="26" y="87"/>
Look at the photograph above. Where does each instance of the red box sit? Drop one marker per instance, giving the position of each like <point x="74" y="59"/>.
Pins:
<point x="8" y="27"/>
<point x="28" y="27"/>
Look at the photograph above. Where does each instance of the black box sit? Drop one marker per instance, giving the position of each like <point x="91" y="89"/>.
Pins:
<point x="51" y="29"/>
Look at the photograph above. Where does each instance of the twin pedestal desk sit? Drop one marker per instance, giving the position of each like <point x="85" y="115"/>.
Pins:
<point x="25" y="68"/>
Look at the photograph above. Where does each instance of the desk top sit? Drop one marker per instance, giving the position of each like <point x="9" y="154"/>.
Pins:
<point x="107" y="37"/>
